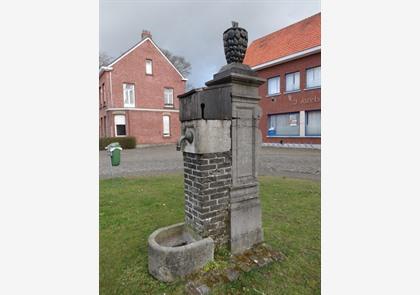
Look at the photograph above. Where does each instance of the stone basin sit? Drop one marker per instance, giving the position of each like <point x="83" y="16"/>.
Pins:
<point x="175" y="252"/>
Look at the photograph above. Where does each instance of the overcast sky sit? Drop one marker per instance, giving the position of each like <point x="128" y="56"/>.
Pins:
<point x="194" y="29"/>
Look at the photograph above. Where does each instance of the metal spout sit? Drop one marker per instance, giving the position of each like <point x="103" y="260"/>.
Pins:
<point x="188" y="136"/>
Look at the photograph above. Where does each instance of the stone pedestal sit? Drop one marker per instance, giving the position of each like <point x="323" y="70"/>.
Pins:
<point x="245" y="208"/>
<point x="221" y="186"/>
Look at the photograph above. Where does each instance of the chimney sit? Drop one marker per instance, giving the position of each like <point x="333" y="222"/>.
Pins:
<point x="146" y="34"/>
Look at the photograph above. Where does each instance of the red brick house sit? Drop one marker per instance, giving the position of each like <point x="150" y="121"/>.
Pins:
<point x="290" y="60"/>
<point x="138" y="95"/>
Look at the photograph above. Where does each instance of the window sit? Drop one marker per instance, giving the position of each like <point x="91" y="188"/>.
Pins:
<point x="284" y="124"/>
<point x="166" y="126"/>
<point x="105" y="126"/>
<point x="168" y="96"/>
<point x="149" y="67"/>
<point x="100" y="97"/>
<point x="120" y="125"/>
<point x="293" y="81"/>
<point x="129" y="98"/>
<point x="313" y="77"/>
<point x="313" y="123"/>
<point x="273" y="86"/>
<point x="103" y="94"/>
<point x="101" y="127"/>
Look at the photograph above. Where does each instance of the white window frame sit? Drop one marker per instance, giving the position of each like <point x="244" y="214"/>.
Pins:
<point x="307" y="123"/>
<point x="295" y="81"/>
<point x="310" y="71"/>
<point x="268" y="86"/>
<point x="104" y="95"/>
<point x="118" y="119"/>
<point x="100" y="96"/>
<point x="129" y="103"/>
<point x="293" y="120"/>
<point x="101" y="127"/>
<point x="105" y="126"/>
<point x="149" y="67"/>
<point x="170" y="101"/>
<point x="166" y="131"/>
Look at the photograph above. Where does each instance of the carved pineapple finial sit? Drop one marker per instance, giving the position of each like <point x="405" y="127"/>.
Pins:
<point x="235" y="41"/>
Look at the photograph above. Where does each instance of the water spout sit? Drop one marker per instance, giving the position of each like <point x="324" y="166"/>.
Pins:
<point x="188" y="136"/>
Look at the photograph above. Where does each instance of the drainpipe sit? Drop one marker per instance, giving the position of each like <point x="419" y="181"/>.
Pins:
<point x="110" y="87"/>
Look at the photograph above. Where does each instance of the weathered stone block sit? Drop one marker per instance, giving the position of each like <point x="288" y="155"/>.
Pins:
<point x="246" y="226"/>
<point x="174" y="252"/>
<point x="210" y="136"/>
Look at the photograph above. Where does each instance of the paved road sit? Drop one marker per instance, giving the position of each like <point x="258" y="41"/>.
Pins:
<point x="297" y="163"/>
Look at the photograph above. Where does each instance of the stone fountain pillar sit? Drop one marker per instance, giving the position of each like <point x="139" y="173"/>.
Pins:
<point x="220" y="148"/>
<point x="220" y="141"/>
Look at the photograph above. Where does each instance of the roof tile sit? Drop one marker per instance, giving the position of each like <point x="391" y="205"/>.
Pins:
<point x="297" y="37"/>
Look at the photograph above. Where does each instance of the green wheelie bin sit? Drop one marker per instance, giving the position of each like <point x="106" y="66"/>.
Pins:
<point x="114" y="151"/>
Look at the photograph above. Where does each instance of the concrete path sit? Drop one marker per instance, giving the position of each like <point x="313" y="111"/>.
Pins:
<point x="294" y="163"/>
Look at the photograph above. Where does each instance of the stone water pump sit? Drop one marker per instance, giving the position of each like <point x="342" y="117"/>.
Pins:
<point x="220" y="141"/>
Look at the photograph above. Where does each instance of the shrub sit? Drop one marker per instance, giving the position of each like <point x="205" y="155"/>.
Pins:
<point x="127" y="142"/>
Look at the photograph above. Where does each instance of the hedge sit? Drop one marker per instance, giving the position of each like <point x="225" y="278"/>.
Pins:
<point x="127" y="142"/>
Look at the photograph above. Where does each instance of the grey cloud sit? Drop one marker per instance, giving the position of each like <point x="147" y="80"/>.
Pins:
<point x="194" y="29"/>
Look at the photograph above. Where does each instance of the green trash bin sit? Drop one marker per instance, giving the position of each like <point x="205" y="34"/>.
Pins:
<point x="114" y="151"/>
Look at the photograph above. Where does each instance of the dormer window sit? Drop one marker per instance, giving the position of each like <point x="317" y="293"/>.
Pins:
<point x="149" y="67"/>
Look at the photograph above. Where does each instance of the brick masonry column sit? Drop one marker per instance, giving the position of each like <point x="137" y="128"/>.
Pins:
<point x="207" y="182"/>
<point x="207" y="162"/>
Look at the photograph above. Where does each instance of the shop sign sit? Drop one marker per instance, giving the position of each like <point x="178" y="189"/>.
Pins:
<point x="304" y="100"/>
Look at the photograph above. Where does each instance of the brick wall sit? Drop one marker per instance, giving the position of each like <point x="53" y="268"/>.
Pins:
<point x="302" y="100"/>
<point x="103" y="104"/>
<point x="148" y="88"/>
<point x="146" y="126"/>
<point x="207" y="182"/>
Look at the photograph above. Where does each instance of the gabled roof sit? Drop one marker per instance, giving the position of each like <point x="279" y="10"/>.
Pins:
<point x="109" y="67"/>
<point x="300" y="37"/>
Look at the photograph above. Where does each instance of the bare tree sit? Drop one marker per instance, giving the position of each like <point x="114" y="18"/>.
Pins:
<point x="104" y="59"/>
<point x="182" y="65"/>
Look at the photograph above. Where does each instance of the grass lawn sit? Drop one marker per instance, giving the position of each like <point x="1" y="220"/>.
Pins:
<point x="132" y="208"/>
